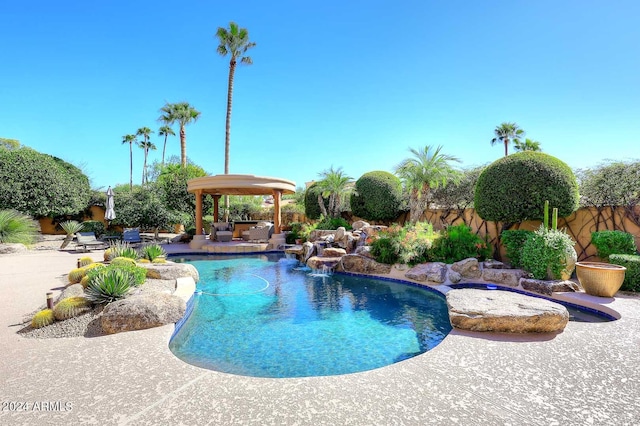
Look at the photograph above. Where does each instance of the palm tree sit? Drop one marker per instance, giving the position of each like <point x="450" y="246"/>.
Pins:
<point x="527" y="145"/>
<point x="146" y="146"/>
<point x="130" y="139"/>
<point x="335" y="184"/>
<point x="506" y="132"/>
<point x="426" y="170"/>
<point x="165" y="131"/>
<point x="184" y="114"/>
<point x="235" y="42"/>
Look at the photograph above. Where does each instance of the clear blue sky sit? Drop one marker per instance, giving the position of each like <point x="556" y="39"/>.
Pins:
<point x="351" y="84"/>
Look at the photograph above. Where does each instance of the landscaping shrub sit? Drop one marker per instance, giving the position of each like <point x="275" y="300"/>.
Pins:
<point x="43" y="318"/>
<point x="514" y="241"/>
<point x="41" y="185"/>
<point x="151" y="251"/>
<point x="410" y="244"/>
<point x="514" y="188"/>
<point x="331" y="223"/>
<point x="85" y="261"/>
<point x="457" y="243"/>
<point x="159" y="260"/>
<point x="94" y="226"/>
<point x="70" y="307"/>
<point x="311" y="207"/>
<point x="377" y="196"/>
<point x="613" y="242"/>
<point x="294" y="234"/>
<point x="545" y="252"/>
<point x="16" y="227"/>
<point x="123" y="261"/>
<point x="632" y="274"/>
<point x="138" y="273"/>
<point x="121" y="249"/>
<point x="109" y="285"/>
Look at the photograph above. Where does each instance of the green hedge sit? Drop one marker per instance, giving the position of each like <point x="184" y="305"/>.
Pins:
<point x="613" y="242"/>
<point x="632" y="275"/>
<point x="377" y="196"/>
<point x="513" y="242"/>
<point x="514" y="188"/>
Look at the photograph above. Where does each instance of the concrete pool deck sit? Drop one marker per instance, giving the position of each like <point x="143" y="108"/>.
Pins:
<point x="588" y="374"/>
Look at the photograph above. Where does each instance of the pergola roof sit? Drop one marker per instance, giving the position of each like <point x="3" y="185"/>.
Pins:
<point x="240" y="185"/>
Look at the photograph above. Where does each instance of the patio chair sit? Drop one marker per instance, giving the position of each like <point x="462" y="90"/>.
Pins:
<point x="221" y="232"/>
<point x="88" y="240"/>
<point x="131" y="236"/>
<point x="261" y="232"/>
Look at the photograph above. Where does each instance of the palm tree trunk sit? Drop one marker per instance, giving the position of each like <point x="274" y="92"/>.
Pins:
<point x="183" y="146"/>
<point x="130" y="165"/>
<point x="144" y="166"/>
<point x="164" y="148"/>
<point x="323" y="210"/>
<point x="506" y="146"/>
<point x="227" y="130"/>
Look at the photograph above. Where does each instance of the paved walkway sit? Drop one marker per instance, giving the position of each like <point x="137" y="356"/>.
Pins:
<point x="589" y="374"/>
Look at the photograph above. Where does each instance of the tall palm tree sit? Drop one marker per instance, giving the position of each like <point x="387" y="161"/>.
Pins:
<point x="335" y="184"/>
<point x="426" y="170"/>
<point x="184" y="114"/>
<point x="165" y="131"/>
<point x="234" y="41"/>
<point x="130" y="139"/>
<point x="527" y="145"/>
<point x="146" y="146"/>
<point x="505" y="133"/>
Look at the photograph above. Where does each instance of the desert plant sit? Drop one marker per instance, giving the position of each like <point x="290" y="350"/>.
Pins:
<point x="76" y="275"/>
<point x="377" y="196"/>
<point x="152" y="251"/>
<point x="545" y="253"/>
<point x="120" y="261"/>
<point x="70" y="307"/>
<point x="159" y="260"/>
<point x="70" y="227"/>
<point x="43" y="318"/>
<point x="632" y="274"/>
<point x="143" y="260"/>
<point x="85" y="281"/>
<point x="121" y="249"/>
<point x="84" y="261"/>
<point x="613" y="242"/>
<point x="513" y="189"/>
<point x="410" y="244"/>
<point x="457" y="243"/>
<point x="513" y="241"/>
<point x="108" y="254"/>
<point x="109" y="285"/>
<point x="153" y="274"/>
<point x="16" y="227"/>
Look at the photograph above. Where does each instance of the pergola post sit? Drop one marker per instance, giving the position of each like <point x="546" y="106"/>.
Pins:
<point x="198" y="211"/>
<point x="277" y="215"/>
<point x="216" y="201"/>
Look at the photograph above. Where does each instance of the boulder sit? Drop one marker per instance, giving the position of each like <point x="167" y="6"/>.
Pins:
<point x="507" y="277"/>
<point x="504" y="311"/>
<point x="493" y="264"/>
<point x="142" y="311"/>
<point x="340" y="233"/>
<point x="548" y="287"/>
<point x="434" y="272"/>
<point x="454" y="277"/>
<point x="309" y="249"/>
<point x="363" y="265"/>
<point x="297" y="250"/>
<point x="364" y="251"/>
<point x="359" y="224"/>
<point x="9" y="248"/>
<point x="467" y="268"/>
<point x="317" y="262"/>
<point x="171" y="271"/>
<point x="333" y="252"/>
<point x="74" y="290"/>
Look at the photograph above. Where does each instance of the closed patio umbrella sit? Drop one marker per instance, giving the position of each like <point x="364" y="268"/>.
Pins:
<point x="109" y="213"/>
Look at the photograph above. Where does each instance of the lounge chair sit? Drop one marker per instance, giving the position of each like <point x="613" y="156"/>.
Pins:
<point x="221" y="232"/>
<point x="88" y="240"/>
<point x="261" y="232"/>
<point x="131" y="236"/>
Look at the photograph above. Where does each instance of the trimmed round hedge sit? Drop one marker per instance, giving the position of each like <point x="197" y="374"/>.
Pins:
<point x="311" y="207"/>
<point x="377" y="196"/>
<point x="514" y="188"/>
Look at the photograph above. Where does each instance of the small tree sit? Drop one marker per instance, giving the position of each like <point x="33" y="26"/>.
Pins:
<point x="334" y="185"/>
<point x="311" y="208"/>
<point x="377" y="196"/>
<point x="142" y="207"/>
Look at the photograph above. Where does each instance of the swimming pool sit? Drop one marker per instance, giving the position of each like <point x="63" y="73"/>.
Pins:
<point x="265" y="316"/>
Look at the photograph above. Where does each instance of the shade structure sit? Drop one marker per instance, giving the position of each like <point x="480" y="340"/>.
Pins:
<point x="236" y="184"/>
<point x="110" y="213"/>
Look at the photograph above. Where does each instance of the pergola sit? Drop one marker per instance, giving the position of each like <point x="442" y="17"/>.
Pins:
<point x="220" y="185"/>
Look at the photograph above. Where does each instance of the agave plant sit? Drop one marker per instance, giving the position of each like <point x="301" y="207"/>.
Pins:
<point x="152" y="251"/>
<point x="70" y="227"/>
<point x="108" y="286"/>
<point x="122" y="249"/>
<point x="16" y="228"/>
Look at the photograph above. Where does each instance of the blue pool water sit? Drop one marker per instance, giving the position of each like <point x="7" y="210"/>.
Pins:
<point x="265" y="316"/>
